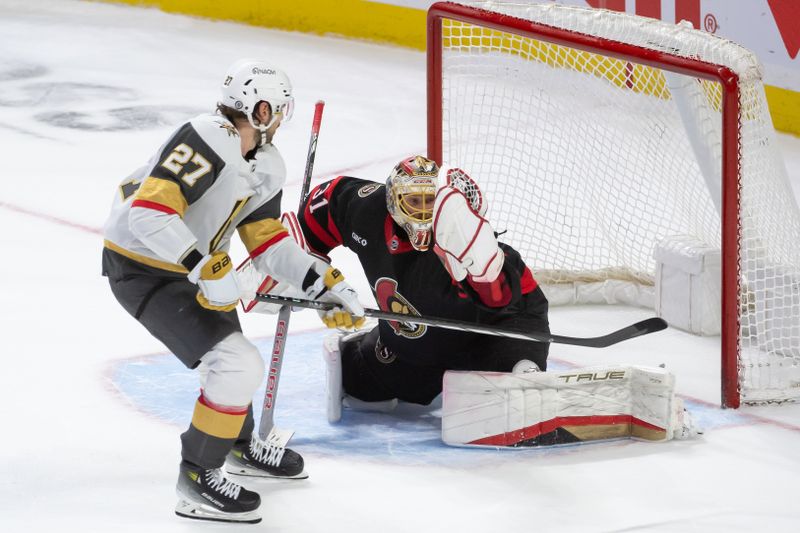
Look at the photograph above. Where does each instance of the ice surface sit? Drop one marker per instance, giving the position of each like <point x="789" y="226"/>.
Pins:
<point x="92" y="406"/>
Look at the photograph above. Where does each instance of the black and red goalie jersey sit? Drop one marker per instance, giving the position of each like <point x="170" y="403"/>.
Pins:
<point x="353" y="212"/>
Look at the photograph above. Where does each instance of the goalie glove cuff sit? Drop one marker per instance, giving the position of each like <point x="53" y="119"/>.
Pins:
<point x="493" y="294"/>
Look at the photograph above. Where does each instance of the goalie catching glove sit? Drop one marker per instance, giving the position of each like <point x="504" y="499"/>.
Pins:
<point x="464" y="239"/>
<point x="331" y="287"/>
<point x="218" y="286"/>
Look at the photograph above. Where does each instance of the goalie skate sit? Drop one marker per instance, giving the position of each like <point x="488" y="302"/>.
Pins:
<point x="266" y="458"/>
<point x="207" y="495"/>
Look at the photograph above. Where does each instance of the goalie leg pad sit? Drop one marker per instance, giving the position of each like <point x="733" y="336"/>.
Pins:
<point x="335" y="396"/>
<point x="540" y="409"/>
<point x="333" y="377"/>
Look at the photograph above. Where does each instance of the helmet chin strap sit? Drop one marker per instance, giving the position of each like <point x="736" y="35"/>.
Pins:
<point x="262" y="128"/>
<point x="262" y="139"/>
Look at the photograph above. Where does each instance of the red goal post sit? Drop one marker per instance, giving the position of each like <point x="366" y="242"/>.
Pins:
<point x="469" y="38"/>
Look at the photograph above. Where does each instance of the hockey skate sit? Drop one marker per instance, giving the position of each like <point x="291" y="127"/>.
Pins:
<point x="268" y="458"/>
<point x="207" y="495"/>
<point x="525" y="366"/>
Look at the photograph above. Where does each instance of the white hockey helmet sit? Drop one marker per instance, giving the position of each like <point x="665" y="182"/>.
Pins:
<point x="249" y="81"/>
<point x="410" y="193"/>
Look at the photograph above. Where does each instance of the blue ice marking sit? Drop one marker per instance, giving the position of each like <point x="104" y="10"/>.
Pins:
<point x="411" y="434"/>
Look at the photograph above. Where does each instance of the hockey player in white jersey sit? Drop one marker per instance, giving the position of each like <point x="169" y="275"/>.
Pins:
<point x="166" y="259"/>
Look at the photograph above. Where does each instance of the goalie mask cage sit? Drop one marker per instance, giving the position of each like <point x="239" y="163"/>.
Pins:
<point x="596" y="134"/>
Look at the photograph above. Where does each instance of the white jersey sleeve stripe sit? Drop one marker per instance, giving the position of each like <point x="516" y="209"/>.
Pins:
<point x="164" y="234"/>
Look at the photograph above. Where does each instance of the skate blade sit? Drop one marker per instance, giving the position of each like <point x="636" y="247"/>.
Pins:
<point x="257" y="472"/>
<point x="201" y="512"/>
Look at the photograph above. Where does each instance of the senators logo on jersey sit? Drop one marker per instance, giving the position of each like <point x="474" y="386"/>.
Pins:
<point x="391" y="301"/>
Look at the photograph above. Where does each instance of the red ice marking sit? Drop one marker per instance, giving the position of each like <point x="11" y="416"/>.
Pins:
<point x="51" y="218"/>
<point x="748" y="418"/>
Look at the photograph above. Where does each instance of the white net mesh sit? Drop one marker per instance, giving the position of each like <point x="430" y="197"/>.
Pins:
<point x="588" y="161"/>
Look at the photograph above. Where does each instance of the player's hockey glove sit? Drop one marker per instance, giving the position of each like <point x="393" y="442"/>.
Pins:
<point x="219" y="288"/>
<point x="331" y="287"/>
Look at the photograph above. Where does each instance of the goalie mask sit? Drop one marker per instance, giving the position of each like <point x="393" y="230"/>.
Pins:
<point x="410" y="193"/>
<point x="249" y="82"/>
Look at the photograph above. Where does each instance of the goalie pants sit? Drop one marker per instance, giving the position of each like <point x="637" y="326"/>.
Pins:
<point x="371" y="373"/>
<point x="165" y="304"/>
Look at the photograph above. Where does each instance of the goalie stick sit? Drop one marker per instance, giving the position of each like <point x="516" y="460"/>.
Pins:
<point x="275" y="438"/>
<point x="650" y="325"/>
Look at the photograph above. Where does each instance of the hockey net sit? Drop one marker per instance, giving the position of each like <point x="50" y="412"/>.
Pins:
<point x="596" y="134"/>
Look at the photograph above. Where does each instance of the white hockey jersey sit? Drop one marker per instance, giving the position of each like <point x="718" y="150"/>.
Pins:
<point x="194" y="192"/>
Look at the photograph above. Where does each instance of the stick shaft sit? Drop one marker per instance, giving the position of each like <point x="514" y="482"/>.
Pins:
<point x="281" y="329"/>
<point x="312" y="151"/>
<point x="650" y="325"/>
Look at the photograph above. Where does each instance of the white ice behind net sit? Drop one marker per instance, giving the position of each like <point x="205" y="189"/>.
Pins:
<point x="586" y="162"/>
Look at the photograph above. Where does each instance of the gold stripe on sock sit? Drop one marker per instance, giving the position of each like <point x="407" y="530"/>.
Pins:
<point x="216" y="423"/>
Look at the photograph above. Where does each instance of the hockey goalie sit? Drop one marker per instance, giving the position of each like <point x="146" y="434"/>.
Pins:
<point x="427" y="250"/>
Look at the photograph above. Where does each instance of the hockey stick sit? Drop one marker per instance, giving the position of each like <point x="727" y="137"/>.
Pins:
<point x="278" y="439"/>
<point x="651" y="325"/>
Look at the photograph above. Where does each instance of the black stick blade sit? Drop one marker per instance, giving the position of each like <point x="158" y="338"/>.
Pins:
<point x="651" y="325"/>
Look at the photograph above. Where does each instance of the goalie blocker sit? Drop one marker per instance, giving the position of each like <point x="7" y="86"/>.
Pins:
<point x="544" y="409"/>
